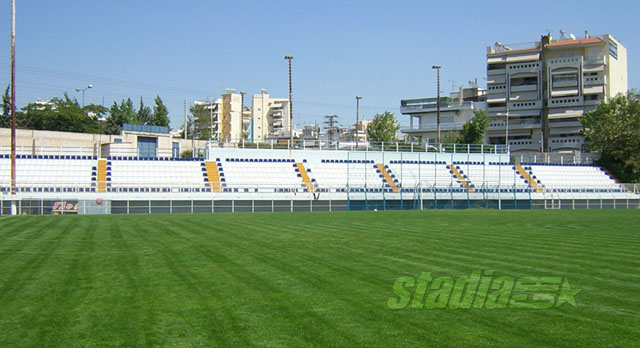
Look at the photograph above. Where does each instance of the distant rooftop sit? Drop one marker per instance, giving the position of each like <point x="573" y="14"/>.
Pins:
<point x="499" y="48"/>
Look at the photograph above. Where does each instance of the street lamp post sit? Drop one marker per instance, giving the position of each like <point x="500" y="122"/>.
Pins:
<point x="83" y="90"/>
<point x="289" y="58"/>
<point x="437" y="67"/>
<point x="357" y="117"/>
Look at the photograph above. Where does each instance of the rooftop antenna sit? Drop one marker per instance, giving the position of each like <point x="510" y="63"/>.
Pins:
<point x="501" y="48"/>
<point x="454" y="84"/>
<point x="563" y="35"/>
<point x="586" y="34"/>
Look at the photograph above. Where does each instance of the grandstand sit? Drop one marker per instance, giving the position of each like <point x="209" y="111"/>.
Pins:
<point x="309" y="179"/>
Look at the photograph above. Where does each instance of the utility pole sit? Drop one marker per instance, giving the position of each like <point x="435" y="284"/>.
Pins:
<point x="544" y="117"/>
<point x="13" y="97"/>
<point x="185" y="120"/>
<point x="330" y="125"/>
<point x="357" y="117"/>
<point x="437" y="67"/>
<point x="289" y="58"/>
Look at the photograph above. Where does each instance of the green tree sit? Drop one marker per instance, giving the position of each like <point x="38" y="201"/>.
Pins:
<point x="473" y="131"/>
<point x="613" y="130"/>
<point x="451" y="137"/>
<point x="5" y="117"/>
<point x="201" y="120"/>
<point x="160" y="113"/>
<point x="119" y="115"/>
<point x="143" y="116"/>
<point x="383" y="127"/>
<point x="59" y="114"/>
<point x="189" y="129"/>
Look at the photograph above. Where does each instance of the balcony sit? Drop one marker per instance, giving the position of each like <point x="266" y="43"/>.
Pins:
<point x="567" y="61"/>
<point x="592" y="102"/>
<point x="413" y="106"/>
<point x="493" y="72"/>
<point x="567" y="112"/>
<point x="524" y="144"/>
<point x="565" y="83"/>
<point x="594" y="80"/>
<point x="515" y="123"/>
<point x="566" y="143"/>
<point x="564" y="101"/>
<point x="534" y="104"/>
<point x="524" y="123"/>
<point x="593" y="90"/>
<point x="524" y="88"/>
<point x="595" y="60"/>
<point x="567" y="92"/>
<point x="565" y="124"/>
<point x="526" y="67"/>
<point x="433" y="127"/>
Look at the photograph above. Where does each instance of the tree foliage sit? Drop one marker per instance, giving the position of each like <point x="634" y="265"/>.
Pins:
<point x="202" y="121"/>
<point x="473" y="131"/>
<point x="5" y="117"/>
<point x="66" y="115"/>
<point x="120" y="114"/>
<point x="189" y="129"/>
<point x="144" y="116"/>
<point x="60" y="114"/>
<point x="160" y="113"/>
<point x="613" y="130"/>
<point x="383" y="127"/>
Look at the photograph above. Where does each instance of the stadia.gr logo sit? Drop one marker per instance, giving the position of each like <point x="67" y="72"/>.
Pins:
<point x="481" y="291"/>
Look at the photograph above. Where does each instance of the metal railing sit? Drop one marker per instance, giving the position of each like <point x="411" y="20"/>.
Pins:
<point x="557" y="158"/>
<point x="274" y="198"/>
<point x="338" y="145"/>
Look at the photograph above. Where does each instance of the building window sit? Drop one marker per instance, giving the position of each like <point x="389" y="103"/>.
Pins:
<point x="613" y="49"/>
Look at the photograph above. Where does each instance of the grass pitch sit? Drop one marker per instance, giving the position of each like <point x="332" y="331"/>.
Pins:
<point x="310" y="279"/>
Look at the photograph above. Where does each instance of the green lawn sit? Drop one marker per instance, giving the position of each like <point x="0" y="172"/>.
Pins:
<point x="310" y="279"/>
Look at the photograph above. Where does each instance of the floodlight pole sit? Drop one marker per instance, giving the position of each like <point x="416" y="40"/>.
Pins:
<point x="13" y="97"/>
<point x="357" y="117"/>
<point x="437" y="67"/>
<point x="289" y="58"/>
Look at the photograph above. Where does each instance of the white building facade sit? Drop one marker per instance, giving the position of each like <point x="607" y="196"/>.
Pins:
<point x="544" y="90"/>
<point x="541" y="91"/>
<point x="270" y="117"/>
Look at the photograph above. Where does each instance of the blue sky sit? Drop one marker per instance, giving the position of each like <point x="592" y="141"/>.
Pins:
<point x="381" y="50"/>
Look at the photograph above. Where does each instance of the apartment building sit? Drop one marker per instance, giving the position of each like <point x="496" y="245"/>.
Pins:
<point x="455" y="110"/>
<point x="541" y="91"/>
<point x="224" y="116"/>
<point x="270" y="117"/>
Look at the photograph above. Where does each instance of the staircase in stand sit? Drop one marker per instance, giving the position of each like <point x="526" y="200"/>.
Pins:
<point x="387" y="177"/>
<point x="305" y="177"/>
<point x="213" y="176"/>
<point x="466" y="183"/>
<point x="523" y="172"/>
